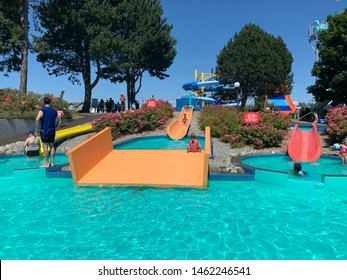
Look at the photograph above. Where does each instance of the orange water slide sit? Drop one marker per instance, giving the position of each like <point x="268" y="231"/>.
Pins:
<point x="96" y="163"/>
<point x="304" y="145"/>
<point x="179" y="128"/>
<point x="290" y="103"/>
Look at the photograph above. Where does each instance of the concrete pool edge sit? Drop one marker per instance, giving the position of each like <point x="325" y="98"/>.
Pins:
<point x="331" y="181"/>
<point x="251" y="173"/>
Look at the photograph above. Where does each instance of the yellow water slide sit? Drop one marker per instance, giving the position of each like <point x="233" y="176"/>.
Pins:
<point x="179" y="127"/>
<point x="69" y="132"/>
<point x="73" y="131"/>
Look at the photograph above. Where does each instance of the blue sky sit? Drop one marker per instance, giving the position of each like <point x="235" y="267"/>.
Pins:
<point x="202" y="28"/>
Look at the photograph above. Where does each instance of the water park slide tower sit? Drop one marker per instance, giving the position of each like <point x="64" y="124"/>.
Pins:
<point x="198" y="89"/>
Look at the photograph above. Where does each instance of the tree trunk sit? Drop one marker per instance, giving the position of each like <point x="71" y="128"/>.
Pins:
<point x="131" y="84"/>
<point x="87" y="98"/>
<point x="24" y="46"/>
<point x="128" y="91"/>
<point x="134" y="75"/>
<point x="243" y="99"/>
<point x="87" y="84"/>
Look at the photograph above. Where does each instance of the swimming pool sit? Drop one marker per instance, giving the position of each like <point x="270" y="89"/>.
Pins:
<point x="157" y="143"/>
<point x="50" y="218"/>
<point x="313" y="171"/>
<point x="320" y="128"/>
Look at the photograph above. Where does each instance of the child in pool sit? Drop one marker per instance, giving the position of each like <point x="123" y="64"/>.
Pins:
<point x="193" y="144"/>
<point x="298" y="170"/>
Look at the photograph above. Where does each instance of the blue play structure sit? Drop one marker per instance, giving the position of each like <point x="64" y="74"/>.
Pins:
<point x="209" y="85"/>
<point x="204" y="83"/>
<point x="283" y="103"/>
<point x="196" y="101"/>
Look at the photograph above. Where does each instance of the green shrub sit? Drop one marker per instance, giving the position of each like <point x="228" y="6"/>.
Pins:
<point x="226" y="124"/>
<point x="276" y="119"/>
<point x="262" y="135"/>
<point x="137" y="121"/>
<point x="336" y="121"/>
<point x="16" y="105"/>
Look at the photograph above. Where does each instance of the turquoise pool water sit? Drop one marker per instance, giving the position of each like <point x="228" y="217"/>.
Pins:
<point x="157" y="143"/>
<point x="308" y="127"/>
<point x="50" y="218"/>
<point x="313" y="171"/>
<point x="11" y="163"/>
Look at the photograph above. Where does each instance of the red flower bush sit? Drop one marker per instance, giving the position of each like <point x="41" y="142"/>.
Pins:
<point x="137" y="121"/>
<point x="226" y="124"/>
<point x="336" y="120"/>
<point x="16" y="105"/>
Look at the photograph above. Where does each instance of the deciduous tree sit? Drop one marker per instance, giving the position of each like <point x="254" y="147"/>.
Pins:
<point x="145" y="45"/>
<point x="76" y="36"/>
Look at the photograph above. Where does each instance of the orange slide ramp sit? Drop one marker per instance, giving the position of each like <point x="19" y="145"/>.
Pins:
<point x="290" y="103"/>
<point x="177" y="129"/>
<point x="304" y="145"/>
<point x="96" y="163"/>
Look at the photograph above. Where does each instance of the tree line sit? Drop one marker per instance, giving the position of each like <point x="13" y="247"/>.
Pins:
<point x="120" y="40"/>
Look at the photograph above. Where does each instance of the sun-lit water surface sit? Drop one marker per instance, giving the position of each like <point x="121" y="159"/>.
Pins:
<point x="157" y="143"/>
<point x="50" y="218"/>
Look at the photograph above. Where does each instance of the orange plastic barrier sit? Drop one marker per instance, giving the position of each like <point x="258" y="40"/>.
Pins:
<point x="178" y="129"/>
<point x="95" y="163"/>
<point x="304" y="145"/>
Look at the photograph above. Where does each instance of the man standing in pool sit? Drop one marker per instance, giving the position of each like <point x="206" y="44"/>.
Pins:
<point x="48" y="117"/>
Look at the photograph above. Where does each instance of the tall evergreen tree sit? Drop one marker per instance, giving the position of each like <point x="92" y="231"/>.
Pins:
<point x="76" y="35"/>
<point x="14" y="39"/>
<point x="331" y="68"/>
<point x="260" y="62"/>
<point x="145" y="45"/>
<point x="10" y="34"/>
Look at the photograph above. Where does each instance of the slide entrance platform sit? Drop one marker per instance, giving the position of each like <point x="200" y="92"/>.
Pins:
<point x="96" y="163"/>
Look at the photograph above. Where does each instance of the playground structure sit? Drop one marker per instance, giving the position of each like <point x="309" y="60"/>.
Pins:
<point x="304" y="145"/>
<point x="180" y="126"/>
<point x="205" y="82"/>
<point x="283" y="103"/>
<point x="160" y="168"/>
